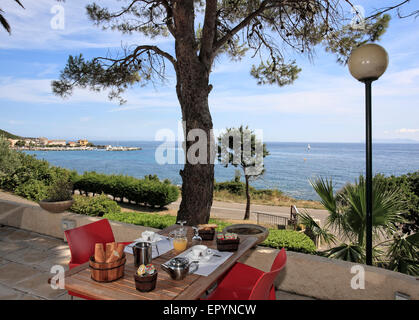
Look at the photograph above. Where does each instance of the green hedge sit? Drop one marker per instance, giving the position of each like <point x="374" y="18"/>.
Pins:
<point x="289" y="239"/>
<point x="148" y="191"/>
<point x="153" y="220"/>
<point x="95" y="206"/>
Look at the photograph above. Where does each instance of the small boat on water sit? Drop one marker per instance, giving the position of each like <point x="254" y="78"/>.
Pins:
<point x="308" y="147"/>
<point x="111" y="148"/>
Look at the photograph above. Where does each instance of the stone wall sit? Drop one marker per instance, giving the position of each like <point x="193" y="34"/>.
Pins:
<point x="326" y="279"/>
<point x="33" y="218"/>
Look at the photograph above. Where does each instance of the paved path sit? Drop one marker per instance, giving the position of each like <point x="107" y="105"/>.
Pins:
<point x="224" y="210"/>
<point x="235" y="211"/>
<point x="26" y="259"/>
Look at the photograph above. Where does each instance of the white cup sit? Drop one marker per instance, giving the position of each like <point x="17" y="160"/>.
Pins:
<point x="200" y="251"/>
<point x="148" y="236"/>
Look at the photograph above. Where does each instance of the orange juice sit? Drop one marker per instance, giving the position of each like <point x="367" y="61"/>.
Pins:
<point x="179" y="244"/>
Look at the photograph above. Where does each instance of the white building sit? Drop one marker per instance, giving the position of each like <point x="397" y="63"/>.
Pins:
<point x="57" y="143"/>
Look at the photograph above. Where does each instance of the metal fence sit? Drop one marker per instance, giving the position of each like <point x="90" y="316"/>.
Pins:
<point x="267" y="218"/>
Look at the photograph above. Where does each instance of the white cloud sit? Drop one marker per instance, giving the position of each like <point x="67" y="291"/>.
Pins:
<point x="31" y="28"/>
<point x="39" y="91"/>
<point x="405" y="77"/>
<point x="404" y="130"/>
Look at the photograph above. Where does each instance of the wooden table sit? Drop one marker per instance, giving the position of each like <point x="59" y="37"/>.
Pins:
<point x="191" y="287"/>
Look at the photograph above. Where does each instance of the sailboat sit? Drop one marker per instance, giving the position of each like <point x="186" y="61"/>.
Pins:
<point x="308" y="147"/>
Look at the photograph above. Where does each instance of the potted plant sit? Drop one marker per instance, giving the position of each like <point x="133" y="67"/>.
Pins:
<point x="60" y="197"/>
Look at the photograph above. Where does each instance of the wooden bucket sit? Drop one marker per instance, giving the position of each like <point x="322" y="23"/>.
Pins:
<point x="107" y="272"/>
<point x="145" y="284"/>
<point x="228" y="245"/>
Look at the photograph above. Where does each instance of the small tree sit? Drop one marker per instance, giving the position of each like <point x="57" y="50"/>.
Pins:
<point x="240" y="148"/>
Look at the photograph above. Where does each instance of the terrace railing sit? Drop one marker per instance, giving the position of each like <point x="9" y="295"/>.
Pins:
<point x="267" y="218"/>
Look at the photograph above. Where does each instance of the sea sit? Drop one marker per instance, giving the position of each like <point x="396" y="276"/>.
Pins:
<point x="289" y="166"/>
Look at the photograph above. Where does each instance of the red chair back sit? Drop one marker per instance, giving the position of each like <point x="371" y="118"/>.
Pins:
<point x="82" y="240"/>
<point x="262" y="288"/>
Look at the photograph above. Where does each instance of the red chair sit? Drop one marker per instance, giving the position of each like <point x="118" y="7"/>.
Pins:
<point x="82" y="240"/>
<point x="244" y="282"/>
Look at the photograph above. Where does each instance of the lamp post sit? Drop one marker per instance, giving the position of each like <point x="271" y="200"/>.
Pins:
<point x="366" y="64"/>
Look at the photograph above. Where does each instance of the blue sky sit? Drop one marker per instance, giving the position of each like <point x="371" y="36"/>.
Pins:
<point x="324" y="104"/>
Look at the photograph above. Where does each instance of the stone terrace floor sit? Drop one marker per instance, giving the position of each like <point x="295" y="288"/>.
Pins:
<point x="26" y="259"/>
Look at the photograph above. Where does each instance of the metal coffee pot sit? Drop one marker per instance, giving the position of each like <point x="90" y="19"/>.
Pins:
<point x="178" y="268"/>
<point x="142" y="252"/>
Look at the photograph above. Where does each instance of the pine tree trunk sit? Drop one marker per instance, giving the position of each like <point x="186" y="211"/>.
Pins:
<point x="192" y="90"/>
<point x="247" y="213"/>
<point x="198" y="179"/>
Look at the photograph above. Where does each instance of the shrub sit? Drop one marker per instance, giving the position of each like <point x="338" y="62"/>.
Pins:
<point x="408" y="185"/>
<point x="34" y="190"/>
<point x="95" y="206"/>
<point x="291" y="240"/>
<point x="17" y="169"/>
<point x="235" y="187"/>
<point x="60" y="190"/>
<point x="148" y="191"/>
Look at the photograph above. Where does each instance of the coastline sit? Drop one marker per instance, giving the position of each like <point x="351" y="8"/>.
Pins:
<point x="289" y="167"/>
<point x="76" y="148"/>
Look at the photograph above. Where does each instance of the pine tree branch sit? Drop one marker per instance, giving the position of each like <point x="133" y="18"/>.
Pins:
<point x="137" y="52"/>
<point x="218" y="44"/>
<point x="380" y="12"/>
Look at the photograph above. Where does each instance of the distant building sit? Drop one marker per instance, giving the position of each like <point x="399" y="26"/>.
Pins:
<point x="29" y="142"/>
<point x="83" y="142"/>
<point x="43" y="141"/>
<point x="57" y="143"/>
<point x="72" y="144"/>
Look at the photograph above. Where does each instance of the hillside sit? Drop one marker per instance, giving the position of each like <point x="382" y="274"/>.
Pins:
<point x="8" y="135"/>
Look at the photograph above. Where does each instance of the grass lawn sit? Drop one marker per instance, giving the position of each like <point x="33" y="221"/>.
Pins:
<point x="274" y="200"/>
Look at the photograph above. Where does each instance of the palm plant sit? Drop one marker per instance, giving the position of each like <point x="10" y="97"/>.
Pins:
<point x="3" y="20"/>
<point x="403" y="253"/>
<point x="314" y="231"/>
<point x="347" y="215"/>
